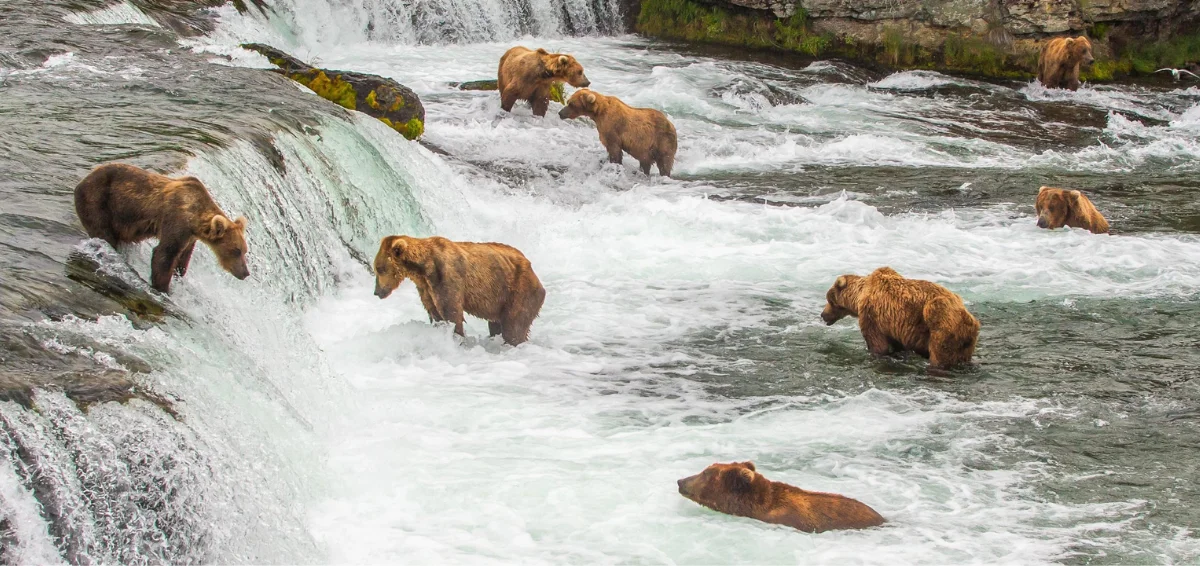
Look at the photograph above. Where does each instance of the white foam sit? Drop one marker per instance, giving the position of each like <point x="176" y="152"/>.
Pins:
<point x="120" y="13"/>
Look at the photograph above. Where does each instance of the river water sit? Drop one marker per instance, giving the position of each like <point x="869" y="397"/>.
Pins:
<point x="681" y="327"/>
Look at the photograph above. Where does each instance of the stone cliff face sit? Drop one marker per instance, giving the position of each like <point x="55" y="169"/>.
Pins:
<point x="987" y="37"/>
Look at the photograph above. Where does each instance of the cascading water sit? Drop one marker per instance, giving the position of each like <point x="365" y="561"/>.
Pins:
<point x="445" y="21"/>
<point x="316" y="422"/>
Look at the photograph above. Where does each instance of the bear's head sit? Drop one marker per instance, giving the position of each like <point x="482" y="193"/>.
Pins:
<point x="729" y="488"/>
<point x="563" y="67"/>
<point x="582" y="103"/>
<point x="1079" y="50"/>
<point x="1056" y="206"/>
<point x="841" y="300"/>
<point x="227" y="239"/>
<point x="394" y="262"/>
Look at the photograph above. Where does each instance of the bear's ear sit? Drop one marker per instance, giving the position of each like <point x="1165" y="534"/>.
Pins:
<point x="749" y="466"/>
<point x="591" y="98"/>
<point x="841" y="282"/>
<point x="563" y="60"/>
<point x="739" y="480"/>
<point x="241" y="222"/>
<point x="398" y="247"/>
<point x="218" y="226"/>
<point x="1076" y="199"/>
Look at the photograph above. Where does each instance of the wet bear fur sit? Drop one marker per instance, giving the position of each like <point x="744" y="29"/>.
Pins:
<point x="644" y="133"/>
<point x="738" y="489"/>
<point x="1059" y="207"/>
<point x="1061" y="60"/>
<point x="492" y="281"/>
<point x="896" y="314"/>
<point x="525" y="74"/>
<point x="122" y="204"/>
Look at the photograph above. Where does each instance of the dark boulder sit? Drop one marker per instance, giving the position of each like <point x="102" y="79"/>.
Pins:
<point x="391" y="102"/>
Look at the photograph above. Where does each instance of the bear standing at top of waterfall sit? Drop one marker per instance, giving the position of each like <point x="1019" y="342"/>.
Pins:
<point x="492" y="281"/>
<point x="1061" y="59"/>
<point x="644" y="133"/>
<point x="121" y="204"/>
<point x="1059" y="207"/>
<point x="738" y="489"/>
<point x="525" y="74"/>
<point x="896" y="314"/>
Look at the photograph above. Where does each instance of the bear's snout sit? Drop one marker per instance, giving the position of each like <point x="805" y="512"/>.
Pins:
<point x="240" y="271"/>
<point x="1042" y="222"/>
<point x="683" y="486"/>
<point x="586" y="83"/>
<point x="829" y="316"/>
<point x="381" y="291"/>
<point x="565" y="113"/>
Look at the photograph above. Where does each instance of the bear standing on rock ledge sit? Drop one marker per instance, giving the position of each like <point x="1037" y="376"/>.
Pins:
<point x="1061" y="60"/>
<point x="525" y="74"/>
<point x="121" y="204"/>
<point x="738" y="489"/>
<point x="492" y="281"/>
<point x="896" y="314"/>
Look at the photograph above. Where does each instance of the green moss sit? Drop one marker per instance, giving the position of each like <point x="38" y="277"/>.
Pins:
<point x="411" y="129"/>
<point x="371" y="100"/>
<point x="398" y="104"/>
<point x="969" y="54"/>
<point x="1146" y="57"/>
<point x="335" y="90"/>
<point x="558" y="93"/>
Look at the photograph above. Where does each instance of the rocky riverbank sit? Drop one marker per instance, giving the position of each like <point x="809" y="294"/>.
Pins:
<point x="994" y="38"/>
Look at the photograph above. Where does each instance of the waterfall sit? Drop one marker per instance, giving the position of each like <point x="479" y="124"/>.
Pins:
<point x="342" y="22"/>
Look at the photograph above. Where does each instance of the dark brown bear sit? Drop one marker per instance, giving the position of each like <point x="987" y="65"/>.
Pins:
<point x="896" y="314"/>
<point x="525" y="74"/>
<point x="123" y="204"/>
<point x="1058" y="207"/>
<point x="738" y="489"/>
<point x="1061" y="60"/>
<point x="494" y="282"/>
<point x="644" y="133"/>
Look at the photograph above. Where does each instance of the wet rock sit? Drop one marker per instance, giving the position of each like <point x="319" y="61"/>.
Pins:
<point x="385" y="99"/>
<point x="97" y="266"/>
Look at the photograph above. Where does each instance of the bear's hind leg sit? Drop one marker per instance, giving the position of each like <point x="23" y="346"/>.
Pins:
<point x="665" y="163"/>
<point x="645" y="165"/>
<point x="518" y="317"/>
<point x="495" y="328"/>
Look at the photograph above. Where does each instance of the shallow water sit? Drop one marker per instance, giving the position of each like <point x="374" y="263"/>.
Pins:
<point x="681" y="325"/>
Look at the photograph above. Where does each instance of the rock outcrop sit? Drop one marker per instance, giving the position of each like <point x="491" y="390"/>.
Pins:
<point x="999" y="38"/>
<point x="391" y="102"/>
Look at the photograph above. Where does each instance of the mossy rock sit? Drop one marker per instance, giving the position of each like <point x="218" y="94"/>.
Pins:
<point x="391" y="102"/>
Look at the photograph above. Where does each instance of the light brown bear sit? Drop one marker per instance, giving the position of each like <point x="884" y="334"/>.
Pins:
<point x="644" y="133"/>
<point x="1061" y="60"/>
<point x="1059" y="207"/>
<point x="525" y="74"/>
<point x="492" y="281"/>
<point x="738" y="489"/>
<point x="896" y="314"/>
<point x="123" y="204"/>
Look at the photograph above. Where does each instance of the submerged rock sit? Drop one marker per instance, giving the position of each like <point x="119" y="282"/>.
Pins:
<point x="558" y="92"/>
<point x="97" y="266"/>
<point x="391" y="102"/>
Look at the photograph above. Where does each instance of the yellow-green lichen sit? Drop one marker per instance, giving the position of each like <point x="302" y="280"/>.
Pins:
<point x="558" y="93"/>
<point x="335" y="90"/>
<point x="371" y="100"/>
<point x="411" y="129"/>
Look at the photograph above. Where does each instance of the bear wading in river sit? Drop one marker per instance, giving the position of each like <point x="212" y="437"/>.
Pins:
<point x="738" y="489"/>
<point x="121" y="204"/>
<point x="525" y="74"/>
<point x="1061" y="60"/>
<point x="896" y="314"/>
<point x="1059" y="207"/>
<point x="644" y="133"/>
<point x="492" y="281"/>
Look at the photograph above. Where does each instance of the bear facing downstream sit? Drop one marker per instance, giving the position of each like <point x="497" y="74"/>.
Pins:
<point x="896" y="314"/>
<point x="525" y="74"/>
<point x="1059" y="207"/>
<point x="120" y="204"/>
<point x="492" y="281"/>
<point x="738" y="489"/>
<point x="644" y="133"/>
<point x="1061" y="59"/>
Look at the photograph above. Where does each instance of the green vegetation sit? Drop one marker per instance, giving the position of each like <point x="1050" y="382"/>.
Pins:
<point x="558" y="93"/>
<point x="975" y="55"/>
<point x="1143" y="58"/>
<point x="335" y="90"/>
<point x="411" y="129"/>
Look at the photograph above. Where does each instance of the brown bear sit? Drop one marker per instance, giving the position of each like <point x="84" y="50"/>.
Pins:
<point x="1061" y="59"/>
<point x="525" y="74"/>
<point x="644" y="133"/>
<point x="738" y="489"/>
<point x="492" y="281"/>
<point x="1059" y="207"/>
<point x="896" y="314"/>
<point x="121" y="203"/>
